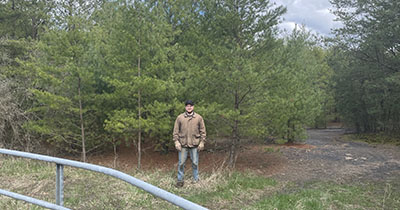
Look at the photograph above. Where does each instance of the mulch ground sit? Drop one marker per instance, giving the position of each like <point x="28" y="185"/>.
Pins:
<point x="261" y="159"/>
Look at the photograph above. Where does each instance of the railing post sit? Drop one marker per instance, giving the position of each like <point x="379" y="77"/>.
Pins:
<point x="60" y="185"/>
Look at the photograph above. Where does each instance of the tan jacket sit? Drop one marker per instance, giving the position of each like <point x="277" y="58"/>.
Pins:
<point x="189" y="130"/>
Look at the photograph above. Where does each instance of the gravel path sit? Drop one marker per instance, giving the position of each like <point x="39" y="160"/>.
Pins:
<point x="332" y="158"/>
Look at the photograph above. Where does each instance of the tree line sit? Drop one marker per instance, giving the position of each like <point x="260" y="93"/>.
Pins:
<point x="85" y="75"/>
<point x="366" y="61"/>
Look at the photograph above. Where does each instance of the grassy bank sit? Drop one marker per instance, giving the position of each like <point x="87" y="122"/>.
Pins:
<point x="218" y="190"/>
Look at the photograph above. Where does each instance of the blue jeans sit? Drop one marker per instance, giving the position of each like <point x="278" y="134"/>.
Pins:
<point x="194" y="156"/>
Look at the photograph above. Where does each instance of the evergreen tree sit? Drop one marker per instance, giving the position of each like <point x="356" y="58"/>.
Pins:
<point x="233" y="36"/>
<point x="64" y="82"/>
<point x="296" y="87"/>
<point x="367" y="64"/>
<point x="139" y="71"/>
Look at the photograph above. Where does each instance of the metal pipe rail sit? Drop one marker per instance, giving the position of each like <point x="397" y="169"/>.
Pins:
<point x="32" y="200"/>
<point x="60" y="162"/>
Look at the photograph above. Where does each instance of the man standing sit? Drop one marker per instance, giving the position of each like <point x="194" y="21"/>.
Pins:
<point x="189" y="137"/>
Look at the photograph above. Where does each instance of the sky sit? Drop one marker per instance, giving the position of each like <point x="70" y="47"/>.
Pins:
<point x="314" y="14"/>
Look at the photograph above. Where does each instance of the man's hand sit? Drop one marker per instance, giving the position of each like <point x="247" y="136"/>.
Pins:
<point x="201" y="146"/>
<point x="178" y="146"/>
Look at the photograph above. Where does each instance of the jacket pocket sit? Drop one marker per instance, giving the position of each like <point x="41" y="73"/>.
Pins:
<point x="196" y="139"/>
<point x="183" y="140"/>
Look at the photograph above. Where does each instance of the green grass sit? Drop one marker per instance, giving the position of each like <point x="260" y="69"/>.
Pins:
<point x="231" y="187"/>
<point x="375" y="138"/>
<point x="272" y="149"/>
<point x="280" y="141"/>
<point x="218" y="190"/>
<point x="334" y="196"/>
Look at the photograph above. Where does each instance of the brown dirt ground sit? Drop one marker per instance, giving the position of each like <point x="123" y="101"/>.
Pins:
<point x="325" y="155"/>
<point x="258" y="158"/>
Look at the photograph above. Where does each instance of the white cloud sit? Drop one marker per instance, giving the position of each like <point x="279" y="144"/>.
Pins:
<point x="288" y="25"/>
<point x="314" y="14"/>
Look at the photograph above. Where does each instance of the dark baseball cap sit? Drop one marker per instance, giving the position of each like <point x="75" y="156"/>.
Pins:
<point x="189" y="102"/>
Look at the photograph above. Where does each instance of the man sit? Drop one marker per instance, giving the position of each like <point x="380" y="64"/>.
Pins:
<point x="189" y="136"/>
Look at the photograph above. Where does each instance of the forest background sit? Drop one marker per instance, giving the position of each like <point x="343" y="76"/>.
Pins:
<point x="83" y="76"/>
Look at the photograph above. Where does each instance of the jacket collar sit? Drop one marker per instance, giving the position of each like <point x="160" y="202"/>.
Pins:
<point x="190" y="115"/>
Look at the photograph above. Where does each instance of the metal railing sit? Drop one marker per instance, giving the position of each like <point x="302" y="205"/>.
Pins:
<point x="60" y="163"/>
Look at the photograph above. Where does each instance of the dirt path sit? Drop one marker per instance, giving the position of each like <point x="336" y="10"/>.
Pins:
<point x="332" y="158"/>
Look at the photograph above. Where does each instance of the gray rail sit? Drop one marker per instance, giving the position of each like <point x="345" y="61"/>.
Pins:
<point x="32" y="200"/>
<point x="60" y="162"/>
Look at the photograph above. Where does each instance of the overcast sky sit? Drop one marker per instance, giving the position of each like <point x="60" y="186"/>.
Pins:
<point x="314" y="14"/>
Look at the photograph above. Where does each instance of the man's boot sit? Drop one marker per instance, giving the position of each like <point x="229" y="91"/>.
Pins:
<point x="179" y="184"/>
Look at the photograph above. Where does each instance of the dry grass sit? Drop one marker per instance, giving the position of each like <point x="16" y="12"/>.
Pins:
<point x="217" y="190"/>
<point x="91" y="190"/>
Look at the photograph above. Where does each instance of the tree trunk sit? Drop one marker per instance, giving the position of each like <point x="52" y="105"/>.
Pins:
<point x="139" y="136"/>
<point x="115" y="153"/>
<point x="139" y="116"/>
<point x="290" y="131"/>
<point x="235" y="137"/>
<point x="34" y="28"/>
<point x="233" y="151"/>
<point x="81" y="116"/>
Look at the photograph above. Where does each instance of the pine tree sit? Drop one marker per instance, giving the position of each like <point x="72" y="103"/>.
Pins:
<point x="233" y="36"/>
